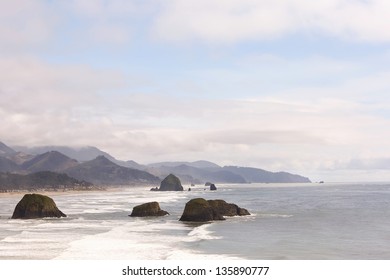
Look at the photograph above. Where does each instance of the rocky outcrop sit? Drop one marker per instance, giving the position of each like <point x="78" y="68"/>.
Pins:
<point x="34" y="206"/>
<point x="148" y="209"/>
<point x="213" y="187"/>
<point x="201" y="210"/>
<point x="171" y="183"/>
<point x="227" y="209"/>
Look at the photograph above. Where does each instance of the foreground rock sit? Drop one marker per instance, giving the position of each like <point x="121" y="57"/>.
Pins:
<point x="148" y="209"/>
<point x="227" y="209"/>
<point x="34" y="206"/>
<point x="171" y="183"/>
<point x="201" y="210"/>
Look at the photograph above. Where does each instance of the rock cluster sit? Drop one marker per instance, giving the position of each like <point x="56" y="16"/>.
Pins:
<point x="201" y="210"/>
<point x="148" y="209"/>
<point x="34" y="206"/>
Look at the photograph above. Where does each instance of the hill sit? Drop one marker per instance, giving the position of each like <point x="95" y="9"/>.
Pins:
<point x="5" y="150"/>
<point x="101" y="168"/>
<point x="81" y="154"/>
<point x="226" y="174"/>
<point x="196" y="164"/>
<point x="190" y="174"/>
<point x="50" y="161"/>
<point x="256" y="175"/>
<point x="102" y="171"/>
<point x="40" y="180"/>
<point x="7" y="165"/>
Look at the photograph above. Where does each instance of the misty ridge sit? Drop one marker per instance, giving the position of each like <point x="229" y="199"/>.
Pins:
<point x="88" y="166"/>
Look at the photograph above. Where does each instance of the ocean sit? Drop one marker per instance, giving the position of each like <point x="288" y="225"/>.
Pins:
<point x="288" y="222"/>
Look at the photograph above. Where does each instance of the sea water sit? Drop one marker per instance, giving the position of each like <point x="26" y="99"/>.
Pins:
<point x="288" y="221"/>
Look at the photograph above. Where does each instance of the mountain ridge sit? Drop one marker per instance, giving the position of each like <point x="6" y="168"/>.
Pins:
<point x="194" y="172"/>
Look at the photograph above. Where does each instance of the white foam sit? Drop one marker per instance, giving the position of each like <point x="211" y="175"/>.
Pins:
<point x="201" y="233"/>
<point x="128" y="241"/>
<point x="272" y="215"/>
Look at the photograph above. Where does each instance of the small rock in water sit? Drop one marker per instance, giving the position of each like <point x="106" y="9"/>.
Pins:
<point x="148" y="209"/>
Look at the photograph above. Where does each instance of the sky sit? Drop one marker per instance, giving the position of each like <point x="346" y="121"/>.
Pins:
<point x="296" y="85"/>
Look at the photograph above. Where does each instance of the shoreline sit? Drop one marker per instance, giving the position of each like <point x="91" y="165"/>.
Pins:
<point x="48" y="191"/>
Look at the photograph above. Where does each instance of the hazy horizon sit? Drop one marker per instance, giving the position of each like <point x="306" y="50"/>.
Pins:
<point x="298" y="86"/>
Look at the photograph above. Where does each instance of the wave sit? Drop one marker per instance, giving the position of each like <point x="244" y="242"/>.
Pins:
<point x="201" y="232"/>
<point x="273" y="215"/>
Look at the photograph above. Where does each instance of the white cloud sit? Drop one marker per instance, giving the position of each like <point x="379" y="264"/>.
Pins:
<point x="230" y="21"/>
<point x="43" y="103"/>
<point x="25" y="24"/>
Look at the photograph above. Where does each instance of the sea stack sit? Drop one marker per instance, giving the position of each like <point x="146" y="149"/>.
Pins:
<point x="201" y="210"/>
<point x="33" y="206"/>
<point x="148" y="209"/>
<point x="171" y="183"/>
<point x="213" y="187"/>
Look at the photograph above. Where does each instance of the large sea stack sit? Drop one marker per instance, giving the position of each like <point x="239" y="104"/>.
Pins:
<point x="201" y="210"/>
<point x="148" y="209"/>
<point x="34" y="206"/>
<point x="171" y="183"/>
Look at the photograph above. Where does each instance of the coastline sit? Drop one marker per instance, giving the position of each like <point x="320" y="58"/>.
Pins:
<point x="63" y="191"/>
<point x="48" y="191"/>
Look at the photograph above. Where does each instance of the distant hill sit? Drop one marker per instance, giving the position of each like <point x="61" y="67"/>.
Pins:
<point x="5" y="150"/>
<point x="20" y="157"/>
<point x="190" y="174"/>
<point x="197" y="164"/>
<point x="7" y="165"/>
<point x="49" y="161"/>
<point x="102" y="171"/>
<point x="80" y="154"/>
<point x="256" y="175"/>
<point x="101" y="168"/>
<point x="40" y="180"/>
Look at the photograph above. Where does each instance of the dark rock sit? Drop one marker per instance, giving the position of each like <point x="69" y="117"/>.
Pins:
<point x="171" y="183"/>
<point x="213" y="187"/>
<point x="227" y="209"/>
<point x="148" y="209"/>
<point x="243" y="212"/>
<point x="36" y="206"/>
<point x="154" y="189"/>
<point x="199" y="210"/>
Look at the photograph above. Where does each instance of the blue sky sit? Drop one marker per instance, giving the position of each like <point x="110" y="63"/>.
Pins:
<point x="301" y="86"/>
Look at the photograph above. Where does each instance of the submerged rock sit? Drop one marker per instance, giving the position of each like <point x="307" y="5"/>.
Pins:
<point x="213" y="187"/>
<point x="201" y="210"/>
<point x="148" y="209"/>
<point x="171" y="183"/>
<point x="34" y="206"/>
